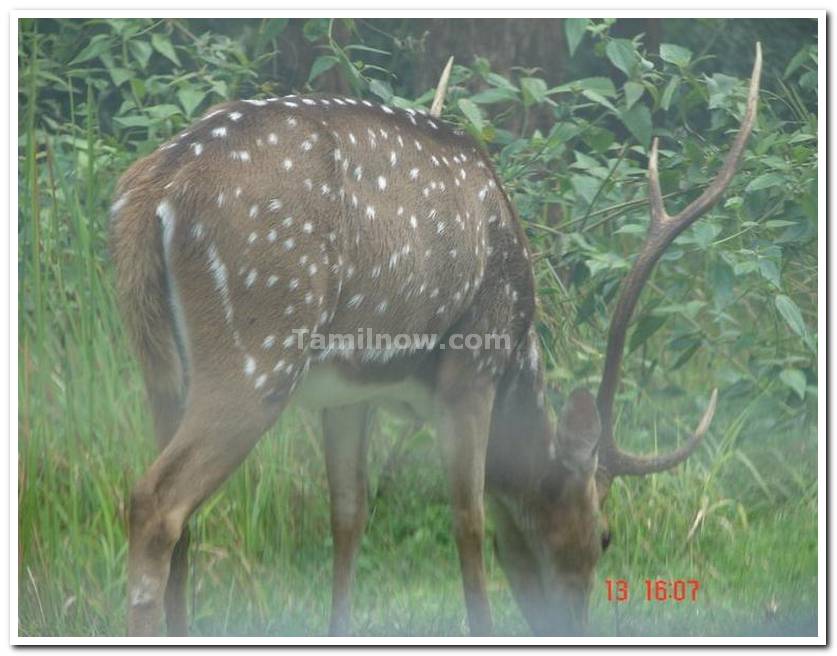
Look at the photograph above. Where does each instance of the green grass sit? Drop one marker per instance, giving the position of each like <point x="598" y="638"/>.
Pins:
<point x="741" y="516"/>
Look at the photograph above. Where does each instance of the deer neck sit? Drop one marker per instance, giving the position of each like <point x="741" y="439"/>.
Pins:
<point x="521" y="437"/>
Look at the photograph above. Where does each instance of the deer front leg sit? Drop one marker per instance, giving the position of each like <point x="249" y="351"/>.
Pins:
<point x="346" y="441"/>
<point x="464" y="419"/>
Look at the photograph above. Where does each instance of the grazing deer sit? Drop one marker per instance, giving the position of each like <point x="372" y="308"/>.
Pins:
<point x="272" y="219"/>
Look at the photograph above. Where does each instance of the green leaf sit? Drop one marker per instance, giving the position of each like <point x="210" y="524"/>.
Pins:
<point x="721" y="280"/>
<point x="161" y="112"/>
<point x="791" y="314"/>
<point x="534" y="90"/>
<point x="633" y="92"/>
<point x="601" y="85"/>
<point x="472" y="113"/>
<point x="796" y="61"/>
<point x="363" y="48"/>
<point x="269" y="29"/>
<point x="120" y="75"/>
<point x="778" y="223"/>
<point x="769" y="270"/>
<point x="97" y="46"/>
<point x="765" y="181"/>
<point x="381" y="89"/>
<point x="645" y="327"/>
<point x="494" y="95"/>
<point x="574" y="28"/>
<point x="138" y="88"/>
<point x="133" y="121"/>
<point x="668" y="94"/>
<point x="677" y="55"/>
<point x="720" y="87"/>
<point x="141" y="50"/>
<point x="598" y="98"/>
<point x="623" y="55"/>
<point x="795" y="379"/>
<point x="691" y="349"/>
<point x="190" y="97"/>
<point x="315" y="29"/>
<point x="638" y="121"/>
<point x="162" y="45"/>
<point x="499" y="81"/>
<point x="585" y="187"/>
<point x="321" y="65"/>
<point x="704" y="234"/>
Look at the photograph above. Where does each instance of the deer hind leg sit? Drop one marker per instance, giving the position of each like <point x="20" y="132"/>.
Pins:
<point x="464" y="405"/>
<point x="166" y="391"/>
<point x="167" y="409"/>
<point x="216" y="433"/>
<point x="165" y="384"/>
<point x="345" y="431"/>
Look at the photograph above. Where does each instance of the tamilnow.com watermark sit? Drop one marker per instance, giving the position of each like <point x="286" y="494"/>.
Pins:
<point x="367" y="339"/>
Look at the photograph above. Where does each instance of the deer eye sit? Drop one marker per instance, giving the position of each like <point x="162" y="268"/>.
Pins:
<point x="605" y="539"/>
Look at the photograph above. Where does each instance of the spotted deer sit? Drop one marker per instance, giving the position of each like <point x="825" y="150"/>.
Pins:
<point x="270" y="220"/>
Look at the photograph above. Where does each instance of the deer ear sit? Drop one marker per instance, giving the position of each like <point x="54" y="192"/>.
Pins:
<point x="578" y="431"/>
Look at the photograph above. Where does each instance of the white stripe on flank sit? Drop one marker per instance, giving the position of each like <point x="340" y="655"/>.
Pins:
<point x="219" y="274"/>
<point x="167" y="219"/>
<point x="166" y="215"/>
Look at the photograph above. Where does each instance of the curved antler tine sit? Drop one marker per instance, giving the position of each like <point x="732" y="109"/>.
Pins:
<point x="628" y="464"/>
<point x="658" y="209"/>
<point x="441" y="90"/>
<point x="662" y="231"/>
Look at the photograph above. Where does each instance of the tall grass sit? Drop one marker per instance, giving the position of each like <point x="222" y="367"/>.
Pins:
<point x="741" y="516"/>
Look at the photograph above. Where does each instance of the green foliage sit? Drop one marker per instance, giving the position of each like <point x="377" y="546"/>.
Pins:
<point x="733" y="304"/>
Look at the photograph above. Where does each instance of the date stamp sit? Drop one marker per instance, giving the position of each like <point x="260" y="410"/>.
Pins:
<point x="663" y="590"/>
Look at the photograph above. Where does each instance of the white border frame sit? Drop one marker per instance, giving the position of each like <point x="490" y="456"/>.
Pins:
<point x="103" y="9"/>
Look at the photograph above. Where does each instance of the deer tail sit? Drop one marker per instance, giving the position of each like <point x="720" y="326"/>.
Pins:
<point x="143" y="285"/>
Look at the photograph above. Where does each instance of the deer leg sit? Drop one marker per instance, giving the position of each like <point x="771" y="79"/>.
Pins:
<point x="213" y="438"/>
<point x="166" y="400"/>
<point x="346" y="440"/>
<point x="464" y="419"/>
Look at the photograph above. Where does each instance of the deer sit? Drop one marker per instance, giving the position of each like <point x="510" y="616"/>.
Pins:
<point x="272" y="219"/>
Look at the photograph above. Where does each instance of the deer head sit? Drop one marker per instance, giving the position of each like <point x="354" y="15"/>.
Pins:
<point x="548" y="503"/>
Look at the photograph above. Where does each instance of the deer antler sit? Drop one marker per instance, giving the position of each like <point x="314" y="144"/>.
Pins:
<point x="662" y="230"/>
<point x="441" y="90"/>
